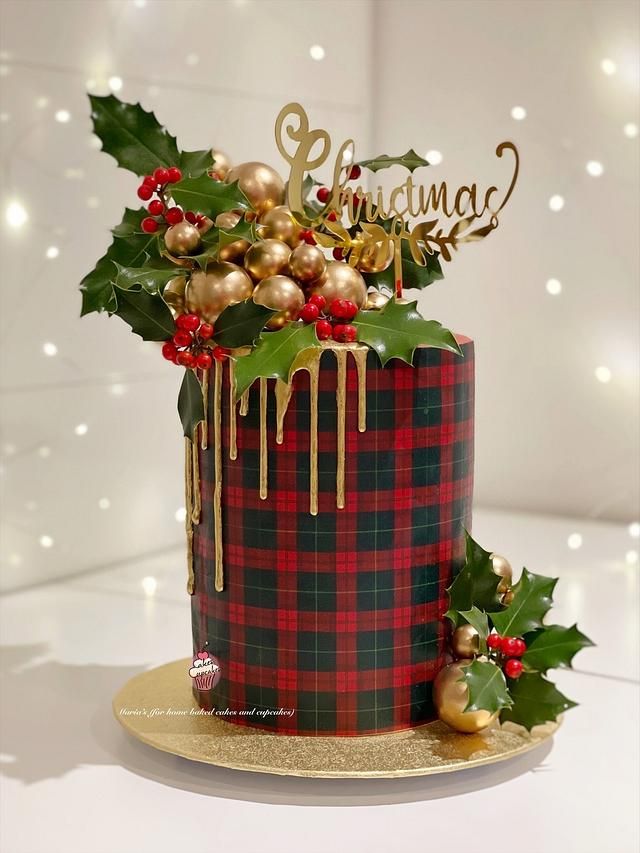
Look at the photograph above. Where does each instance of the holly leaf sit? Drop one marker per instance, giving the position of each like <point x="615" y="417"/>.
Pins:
<point x="487" y="687"/>
<point x="414" y="276"/>
<point x="397" y="329"/>
<point x="480" y="621"/>
<point x="274" y="354"/>
<point x="410" y="161"/>
<point x="475" y="585"/>
<point x="152" y="278"/>
<point x="552" y="646"/>
<point x="209" y="249"/>
<point x="532" y="597"/>
<point x="207" y="196"/>
<point x="240" y="324"/>
<point x="190" y="403"/>
<point x="129" y="248"/>
<point x="535" y="701"/>
<point x="131" y="135"/>
<point x="242" y="230"/>
<point x="147" y="314"/>
<point x="195" y="163"/>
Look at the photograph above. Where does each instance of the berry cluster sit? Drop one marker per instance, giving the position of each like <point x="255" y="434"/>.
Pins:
<point x="156" y="184"/>
<point x="331" y="323"/>
<point x="506" y="651"/>
<point x="189" y="346"/>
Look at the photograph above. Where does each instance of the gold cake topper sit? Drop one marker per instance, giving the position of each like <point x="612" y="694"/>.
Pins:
<point x="365" y="210"/>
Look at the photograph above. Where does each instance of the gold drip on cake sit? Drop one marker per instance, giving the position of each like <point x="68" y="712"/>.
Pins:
<point x="233" y="425"/>
<point x="217" y="488"/>
<point x="341" y="400"/>
<point x="188" y="520"/>
<point x="360" y="357"/>
<point x="244" y="403"/>
<point x="283" y="391"/>
<point x="264" y="462"/>
<point x="205" y="400"/>
<point x="195" y="489"/>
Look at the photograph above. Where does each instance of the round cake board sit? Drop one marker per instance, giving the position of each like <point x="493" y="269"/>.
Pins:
<point x="158" y="708"/>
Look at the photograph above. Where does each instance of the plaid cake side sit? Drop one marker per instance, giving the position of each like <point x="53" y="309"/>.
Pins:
<point x="333" y="624"/>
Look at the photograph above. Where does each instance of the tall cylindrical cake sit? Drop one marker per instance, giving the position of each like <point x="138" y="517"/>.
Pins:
<point x="329" y="525"/>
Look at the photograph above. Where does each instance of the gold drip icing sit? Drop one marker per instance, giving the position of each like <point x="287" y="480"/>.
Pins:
<point x="196" y="499"/>
<point x="205" y="399"/>
<point x="360" y="357"/>
<point x="233" y="425"/>
<point x="341" y="399"/>
<point x="244" y="403"/>
<point x="188" y="500"/>
<point x="309" y="360"/>
<point x="217" y="488"/>
<point x="264" y="462"/>
<point x="283" y="391"/>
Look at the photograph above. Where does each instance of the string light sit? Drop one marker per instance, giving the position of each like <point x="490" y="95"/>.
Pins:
<point x="433" y="157"/>
<point x="181" y="514"/>
<point x="594" y="168"/>
<point x="52" y="252"/>
<point x="16" y="215"/>
<point x="44" y="452"/>
<point x="518" y="113"/>
<point x="556" y="203"/>
<point x="631" y="130"/>
<point x="81" y="429"/>
<point x="574" y="541"/>
<point x="149" y="585"/>
<point x="49" y="349"/>
<point x="63" y="116"/>
<point x="634" y="530"/>
<point x="317" y="52"/>
<point x="554" y="287"/>
<point x="115" y="83"/>
<point x="603" y="374"/>
<point x="631" y="557"/>
<point x="42" y="102"/>
<point x="46" y="541"/>
<point x="104" y="503"/>
<point x="609" y="67"/>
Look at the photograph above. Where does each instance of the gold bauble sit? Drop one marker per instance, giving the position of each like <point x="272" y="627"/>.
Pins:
<point x="283" y="295"/>
<point x="502" y="567"/>
<point x="342" y="282"/>
<point x="279" y="224"/>
<point x="208" y="293"/>
<point x="173" y="294"/>
<point x="375" y="258"/>
<point x="307" y="264"/>
<point x="376" y="300"/>
<point x="206" y="224"/>
<point x="221" y="163"/>
<point x="235" y="251"/>
<point x="465" y="641"/>
<point x="450" y="696"/>
<point x="228" y="220"/>
<point x="182" y="239"/>
<point x="266" y="258"/>
<point x="261" y="184"/>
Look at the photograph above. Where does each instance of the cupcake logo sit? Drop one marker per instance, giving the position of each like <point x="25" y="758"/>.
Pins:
<point x="205" y="671"/>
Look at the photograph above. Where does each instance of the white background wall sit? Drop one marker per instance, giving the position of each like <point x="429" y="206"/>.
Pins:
<point x="432" y="75"/>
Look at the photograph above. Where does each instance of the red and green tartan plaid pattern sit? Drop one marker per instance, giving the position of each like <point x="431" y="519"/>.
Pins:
<point x="339" y="617"/>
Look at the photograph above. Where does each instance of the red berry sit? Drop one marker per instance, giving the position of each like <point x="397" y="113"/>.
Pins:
<point x="149" y="181"/>
<point x="175" y="175"/>
<point x="145" y="192"/>
<point x="310" y="313"/>
<point x="508" y="645"/>
<point x="188" y="322"/>
<point x="343" y="309"/>
<point x="323" y="330"/>
<point x="186" y="359"/>
<point x="219" y="353"/>
<point x="191" y="217"/>
<point x="161" y="176"/>
<point x="182" y="338"/>
<point x="318" y="299"/>
<point x="156" y="207"/>
<point x="204" y="361"/>
<point x="149" y="225"/>
<point x="307" y="237"/>
<point x="174" y="215"/>
<point x="513" y="668"/>
<point x="205" y="332"/>
<point x="169" y="351"/>
<point x="200" y="219"/>
<point x="354" y="173"/>
<point x="350" y="333"/>
<point x="494" y="641"/>
<point x="338" y="332"/>
<point x="520" y="648"/>
<point x="323" y="194"/>
<point x="338" y="254"/>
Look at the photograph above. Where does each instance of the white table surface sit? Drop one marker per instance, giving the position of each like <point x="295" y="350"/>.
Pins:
<point x="74" y="782"/>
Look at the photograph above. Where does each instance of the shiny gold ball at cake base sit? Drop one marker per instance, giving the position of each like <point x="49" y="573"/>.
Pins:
<point x="307" y="264"/>
<point x="342" y="282"/>
<point x="262" y="185"/>
<point x="279" y="224"/>
<point x="283" y="295"/>
<point x="450" y="696"/>
<point x="208" y="293"/>
<point x="465" y="641"/>
<point x="502" y="567"/>
<point x="221" y="163"/>
<point x="376" y="300"/>
<point x="266" y="258"/>
<point x="182" y="239"/>
<point x="173" y="294"/>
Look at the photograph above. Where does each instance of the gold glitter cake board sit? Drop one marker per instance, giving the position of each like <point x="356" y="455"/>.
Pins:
<point x="155" y="706"/>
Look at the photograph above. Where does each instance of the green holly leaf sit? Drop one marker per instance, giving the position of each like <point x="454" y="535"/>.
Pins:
<point x="190" y="403"/>
<point x="133" y="136"/>
<point x="129" y="248"/>
<point x="209" y="249"/>
<point x="242" y="230"/>
<point x="396" y="331"/>
<point x="410" y="161"/>
<point x="240" y="324"/>
<point x="414" y="276"/>
<point x="147" y="314"/>
<point x="475" y="585"/>
<point x="535" y="701"/>
<point x="480" y="621"/>
<point x="487" y="687"/>
<point x="195" y="163"/>
<point x="207" y="196"/>
<point x="552" y="646"/>
<point x="152" y="278"/>
<point x="274" y="354"/>
<point x="532" y="597"/>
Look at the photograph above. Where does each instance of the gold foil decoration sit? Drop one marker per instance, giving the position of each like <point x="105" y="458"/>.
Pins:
<point x="264" y="460"/>
<point x="217" y="487"/>
<point x="233" y="425"/>
<point x="341" y="401"/>
<point x="188" y="520"/>
<point x="205" y="400"/>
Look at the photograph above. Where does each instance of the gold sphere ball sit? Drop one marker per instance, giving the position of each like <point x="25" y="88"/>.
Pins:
<point x="282" y="294"/>
<point x="342" y="282"/>
<point x="208" y="293"/>
<point x="266" y="258"/>
<point x="182" y="239"/>
<point x="375" y="300"/>
<point x="502" y="567"/>
<point x="228" y="220"/>
<point x="465" y="641"/>
<point x="279" y="224"/>
<point x="235" y="251"/>
<point x="450" y="697"/>
<point x="375" y="259"/>
<point x="307" y="264"/>
<point x="221" y="163"/>
<point x="173" y="294"/>
<point x="262" y="185"/>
